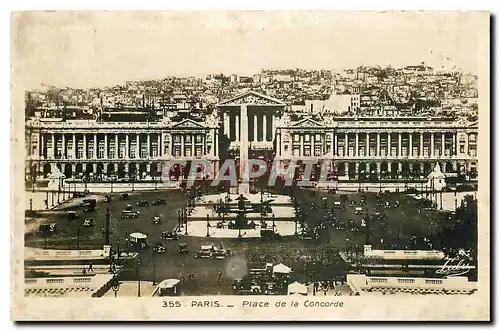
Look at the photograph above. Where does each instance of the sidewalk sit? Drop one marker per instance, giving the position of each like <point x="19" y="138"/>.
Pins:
<point x="70" y="270"/>
<point x="129" y="289"/>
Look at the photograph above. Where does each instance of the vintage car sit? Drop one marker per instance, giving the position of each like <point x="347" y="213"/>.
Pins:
<point x="314" y="206"/>
<point x="124" y="196"/>
<point x="138" y="240"/>
<point x="89" y="205"/>
<point x="182" y="249"/>
<point x="338" y="205"/>
<point x="358" y="210"/>
<point x="169" y="235"/>
<point x="108" y="198"/>
<point x="159" y="248"/>
<point x="72" y="215"/>
<point x="156" y="220"/>
<point x="268" y="235"/>
<point x="88" y="222"/>
<point x="352" y="203"/>
<point x="130" y="214"/>
<point x="142" y="203"/>
<point x="158" y="202"/>
<point x="128" y="207"/>
<point x="362" y="202"/>
<point x="205" y="252"/>
<point x="48" y="228"/>
<point x="220" y="253"/>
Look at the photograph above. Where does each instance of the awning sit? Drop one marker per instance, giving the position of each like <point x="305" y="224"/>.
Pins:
<point x="168" y="283"/>
<point x="281" y="269"/>
<point x="138" y="235"/>
<point x="297" y="288"/>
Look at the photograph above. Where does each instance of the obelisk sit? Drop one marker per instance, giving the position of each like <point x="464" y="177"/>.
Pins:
<point x="243" y="186"/>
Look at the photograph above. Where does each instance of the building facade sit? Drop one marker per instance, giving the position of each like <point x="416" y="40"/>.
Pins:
<point x="128" y="149"/>
<point x="396" y="147"/>
<point x="357" y="147"/>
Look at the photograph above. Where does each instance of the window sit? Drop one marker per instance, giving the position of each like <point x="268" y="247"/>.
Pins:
<point x="296" y="151"/>
<point x="285" y="148"/>
<point x="91" y="152"/>
<point x="177" y="138"/>
<point x="188" y="151"/>
<point x="154" y="151"/>
<point x="132" y="152"/>
<point x="177" y="151"/>
<point x="462" y="149"/>
<point x="317" y="151"/>
<point x="199" y="138"/>
<point x="317" y="137"/>
<point x="198" y="151"/>
<point x="187" y="139"/>
<point x="80" y="152"/>
<point x="296" y="138"/>
<point x="307" y="150"/>
<point x="111" y="153"/>
<point x="144" y="152"/>
<point x="307" y="138"/>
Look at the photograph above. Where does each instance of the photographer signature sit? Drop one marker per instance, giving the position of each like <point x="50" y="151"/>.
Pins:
<point x="453" y="268"/>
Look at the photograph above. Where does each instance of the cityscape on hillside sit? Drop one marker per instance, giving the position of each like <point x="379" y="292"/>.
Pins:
<point x="416" y="90"/>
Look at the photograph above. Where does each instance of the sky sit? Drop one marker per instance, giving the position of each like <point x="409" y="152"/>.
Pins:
<point x="96" y="49"/>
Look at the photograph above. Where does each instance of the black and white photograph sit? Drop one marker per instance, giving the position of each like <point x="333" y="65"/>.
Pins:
<point x="244" y="165"/>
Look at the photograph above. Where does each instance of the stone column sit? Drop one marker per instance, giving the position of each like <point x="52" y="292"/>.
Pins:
<point x="346" y="145"/>
<point x="193" y="136"/>
<point x="335" y="145"/>
<point x="160" y="144"/>
<point x="237" y="127"/>
<point x="137" y="146"/>
<point x="357" y="145"/>
<point x="264" y="127"/>
<point x="149" y="146"/>
<point x="106" y="154"/>
<point x="411" y="145"/>
<point x="378" y="168"/>
<point x="421" y="169"/>
<point x="42" y="145"/>
<point x="227" y="127"/>
<point x="244" y="188"/>
<point x="367" y="152"/>
<point x="400" y="145"/>
<point x="85" y="150"/>
<point x="377" y="153"/>
<point x="454" y="148"/>
<point x="400" y="167"/>
<point x="95" y="149"/>
<point x="421" y="146"/>
<point x="53" y="146"/>
<point x="389" y="150"/>
<point x="183" y="153"/>
<point x="74" y="147"/>
<point x="255" y="127"/>
<point x="127" y="146"/>
<point x="389" y="167"/>
<point x="442" y="144"/>
<point x="63" y="139"/>
<point x="117" y="148"/>
<point x="432" y="144"/>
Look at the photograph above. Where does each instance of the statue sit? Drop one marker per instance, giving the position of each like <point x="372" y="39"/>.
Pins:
<point x="437" y="168"/>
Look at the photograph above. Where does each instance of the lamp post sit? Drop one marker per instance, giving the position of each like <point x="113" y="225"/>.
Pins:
<point x="185" y="223"/>
<point x="208" y="225"/>
<point x="126" y="241"/>
<point x="52" y="194"/>
<point x="154" y="270"/>
<point x="179" y="220"/>
<point x="46" y="200"/>
<point x="274" y="225"/>
<point x="138" y="278"/>
<point x="31" y="204"/>
<point x="118" y="251"/>
<point x="78" y="238"/>
<point x="116" y="284"/>
<point x="456" y="200"/>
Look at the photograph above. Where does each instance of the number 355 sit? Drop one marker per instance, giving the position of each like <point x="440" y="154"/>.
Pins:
<point x="171" y="304"/>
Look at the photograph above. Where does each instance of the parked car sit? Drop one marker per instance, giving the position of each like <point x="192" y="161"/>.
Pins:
<point x="352" y="203"/>
<point x="124" y="196"/>
<point x="108" y="198"/>
<point x="169" y="235"/>
<point x="158" y="202"/>
<point x="88" y="222"/>
<point x="72" y="215"/>
<point x="128" y="207"/>
<point x="358" y="211"/>
<point x="142" y="203"/>
<point x="157" y="220"/>
<point x="130" y="214"/>
<point x="89" y="205"/>
<point x="159" y="248"/>
<point x="48" y="228"/>
<point x="138" y="240"/>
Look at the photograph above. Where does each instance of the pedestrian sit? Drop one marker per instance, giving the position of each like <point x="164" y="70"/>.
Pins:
<point x="84" y="271"/>
<point x="325" y="289"/>
<point x="219" y="278"/>
<point x="90" y="267"/>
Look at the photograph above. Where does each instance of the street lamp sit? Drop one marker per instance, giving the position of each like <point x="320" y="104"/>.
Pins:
<point x="154" y="270"/>
<point x="126" y="241"/>
<point x="31" y="204"/>
<point x="208" y="225"/>
<point x="118" y="251"/>
<point x="138" y="278"/>
<point x="78" y="238"/>
<point x="186" y="223"/>
<point x="179" y="220"/>
<point x="115" y="284"/>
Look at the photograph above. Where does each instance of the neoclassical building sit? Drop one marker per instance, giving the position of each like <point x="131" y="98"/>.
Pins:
<point x="388" y="147"/>
<point x="395" y="147"/>
<point x="134" y="149"/>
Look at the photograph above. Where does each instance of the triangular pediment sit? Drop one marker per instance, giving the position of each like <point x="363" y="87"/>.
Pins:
<point x="188" y="123"/>
<point x="307" y="123"/>
<point x="252" y="98"/>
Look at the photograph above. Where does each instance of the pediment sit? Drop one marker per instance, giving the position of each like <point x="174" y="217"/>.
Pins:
<point x="252" y="98"/>
<point x="187" y="123"/>
<point x="307" y="123"/>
